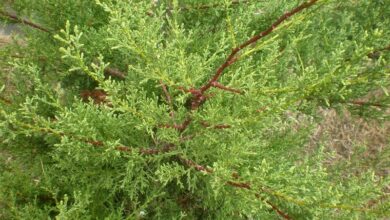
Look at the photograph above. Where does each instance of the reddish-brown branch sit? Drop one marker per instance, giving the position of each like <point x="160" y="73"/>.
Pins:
<point x="185" y="124"/>
<point x="24" y="21"/>
<point x="179" y="127"/>
<point x="220" y="86"/>
<point x="239" y="184"/>
<point x="95" y="143"/>
<point x="114" y="72"/>
<point x="277" y="210"/>
<point x="165" y="90"/>
<point x="364" y="103"/>
<point x="97" y="95"/>
<point x="196" y="166"/>
<point x="165" y="149"/>
<point x="220" y="126"/>
<point x="168" y="98"/>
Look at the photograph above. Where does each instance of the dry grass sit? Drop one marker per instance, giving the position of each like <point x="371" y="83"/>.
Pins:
<point x="4" y="40"/>
<point x="355" y="139"/>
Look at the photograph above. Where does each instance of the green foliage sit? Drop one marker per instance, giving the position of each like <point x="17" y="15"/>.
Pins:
<point x="87" y="144"/>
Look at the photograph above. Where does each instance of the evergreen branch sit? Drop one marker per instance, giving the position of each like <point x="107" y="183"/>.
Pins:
<point x="199" y="96"/>
<point x="108" y="71"/>
<point x="144" y="151"/>
<point x="24" y="21"/>
<point x="232" y="58"/>
<point x="198" y="167"/>
<point x="241" y="185"/>
<point x="248" y="186"/>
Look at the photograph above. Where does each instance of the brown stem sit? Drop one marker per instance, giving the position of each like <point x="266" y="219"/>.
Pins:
<point x="167" y="95"/>
<point x="168" y="98"/>
<point x="114" y="72"/>
<point x="179" y="127"/>
<point x="185" y="124"/>
<point x="220" y="126"/>
<point x="24" y="21"/>
<point x="220" y="86"/>
<point x="196" y="166"/>
<point x="364" y="103"/>
<point x="275" y="208"/>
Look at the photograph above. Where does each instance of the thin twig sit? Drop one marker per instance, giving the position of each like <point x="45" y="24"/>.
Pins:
<point x="220" y="86"/>
<point x="364" y="103"/>
<point x="168" y="98"/>
<point x="219" y="126"/>
<point x="24" y="21"/>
